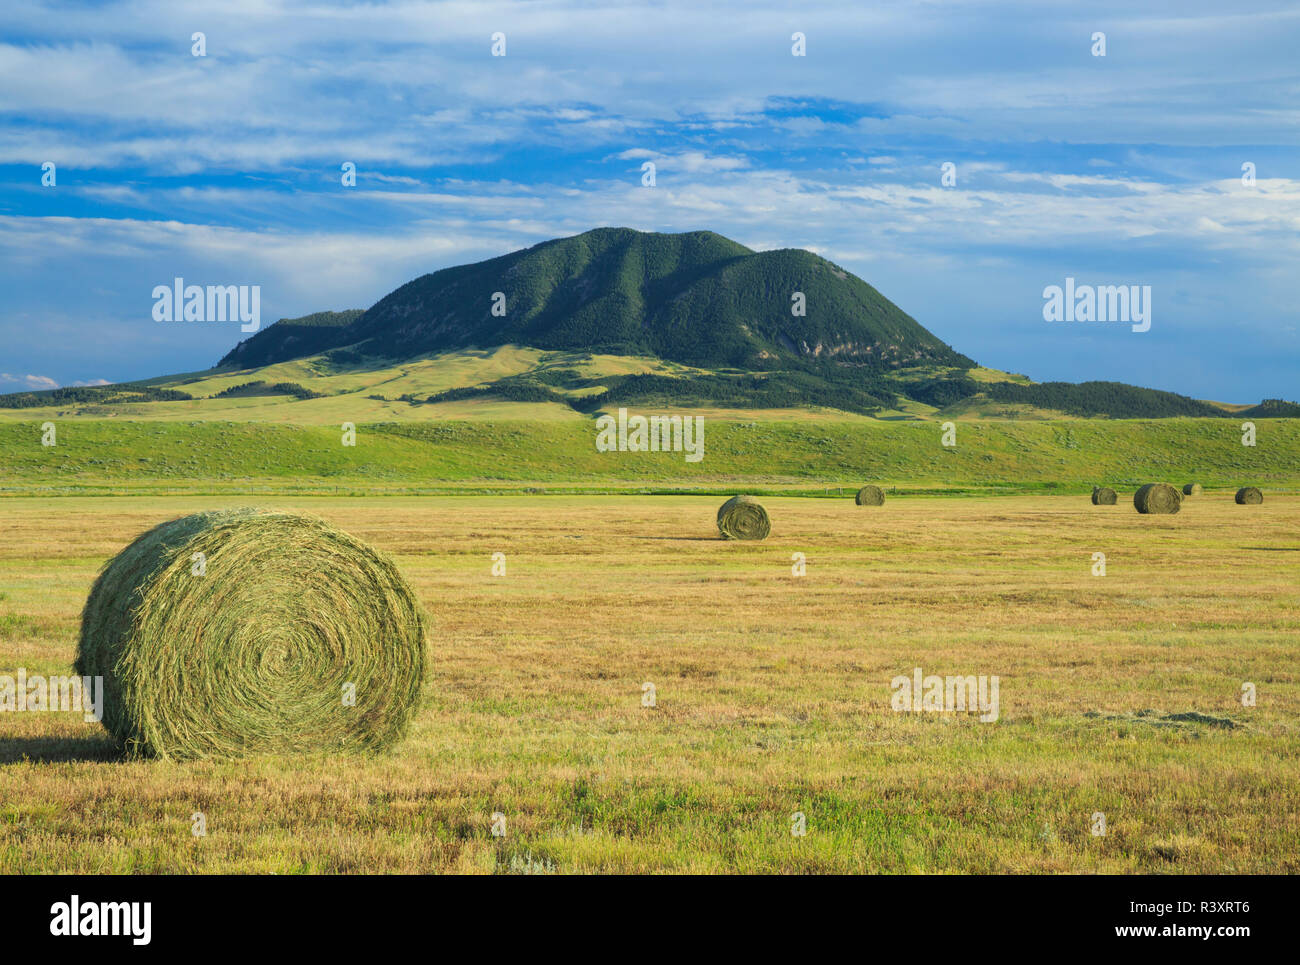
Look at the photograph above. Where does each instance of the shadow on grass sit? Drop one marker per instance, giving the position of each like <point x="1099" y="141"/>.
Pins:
<point x="684" y="539"/>
<point x="54" y="750"/>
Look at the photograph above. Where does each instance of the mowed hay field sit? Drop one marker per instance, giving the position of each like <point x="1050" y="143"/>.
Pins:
<point x="1119" y="694"/>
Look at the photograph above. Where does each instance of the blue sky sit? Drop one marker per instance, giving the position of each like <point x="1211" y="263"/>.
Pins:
<point x="225" y="169"/>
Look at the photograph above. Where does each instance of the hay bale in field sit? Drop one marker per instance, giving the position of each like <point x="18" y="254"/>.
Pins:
<point x="1249" y="496"/>
<point x="253" y="646"/>
<point x="1192" y="489"/>
<point x="1157" y="498"/>
<point x="743" y="517"/>
<point x="870" y="496"/>
<point x="1103" y="496"/>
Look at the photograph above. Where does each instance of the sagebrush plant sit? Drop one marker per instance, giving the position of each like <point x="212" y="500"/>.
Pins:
<point x="223" y="634"/>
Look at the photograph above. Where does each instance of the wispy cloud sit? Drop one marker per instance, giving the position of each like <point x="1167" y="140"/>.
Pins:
<point x="29" y="381"/>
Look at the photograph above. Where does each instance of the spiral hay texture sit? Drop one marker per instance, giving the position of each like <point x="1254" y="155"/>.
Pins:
<point x="1249" y="496"/>
<point x="255" y="654"/>
<point x="1157" y="498"/>
<point x="870" y="496"/>
<point x="743" y="517"/>
<point x="1192" y="489"/>
<point x="1103" y="496"/>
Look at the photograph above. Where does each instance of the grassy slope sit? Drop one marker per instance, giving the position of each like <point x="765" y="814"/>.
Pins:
<point x="347" y="392"/>
<point x="772" y="695"/>
<point x="111" y="456"/>
<point x="283" y="442"/>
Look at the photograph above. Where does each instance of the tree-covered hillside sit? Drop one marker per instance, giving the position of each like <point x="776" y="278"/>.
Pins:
<point x="291" y="338"/>
<point x="696" y="298"/>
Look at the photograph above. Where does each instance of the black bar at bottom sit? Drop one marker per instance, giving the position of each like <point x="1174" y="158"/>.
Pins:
<point x="335" y="914"/>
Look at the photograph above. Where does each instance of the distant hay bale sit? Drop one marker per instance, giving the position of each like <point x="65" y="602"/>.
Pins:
<point x="1249" y="496"/>
<point x="285" y="635"/>
<point x="743" y="517"/>
<point x="1103" y="496"/>
<point x="870" y="496"/>
<point x="1192" y="489"/>
<point x="1158" y="498"/>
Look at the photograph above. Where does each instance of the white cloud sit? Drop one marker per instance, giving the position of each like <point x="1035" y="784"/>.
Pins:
<point x="413" y="84"/>
<point x="29" y="381"/>
<point x="423" y="230"/>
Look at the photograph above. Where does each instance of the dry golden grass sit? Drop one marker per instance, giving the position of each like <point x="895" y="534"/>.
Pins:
<point x="772" y="694"/>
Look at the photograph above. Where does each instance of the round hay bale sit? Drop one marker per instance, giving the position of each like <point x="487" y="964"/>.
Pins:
<point x="1158" y="498"/>
<point x="870" y="496"/>
<point x="743" y="517"/>
<point x="1249" y="496"/>
<point x="1192" y="489"/>
<point x="251" y="647"/>
<point x="1104" y="496"/>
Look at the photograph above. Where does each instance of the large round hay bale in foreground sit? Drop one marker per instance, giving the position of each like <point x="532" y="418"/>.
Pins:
<point x="743" y="517"/>
<point x="1249" y="496"/>
<point x="1158" y="498"/>
<point x="1192" y="489"/>
<point x="870" y="496"/>
<point x="285" y="635"/>
<point x="1103" y="496"/>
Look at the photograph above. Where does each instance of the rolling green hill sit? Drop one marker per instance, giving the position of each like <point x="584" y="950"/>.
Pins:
<point x="517" y="382"/>
<point x="814" y="457"/>
<point x="696" y="298"/>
